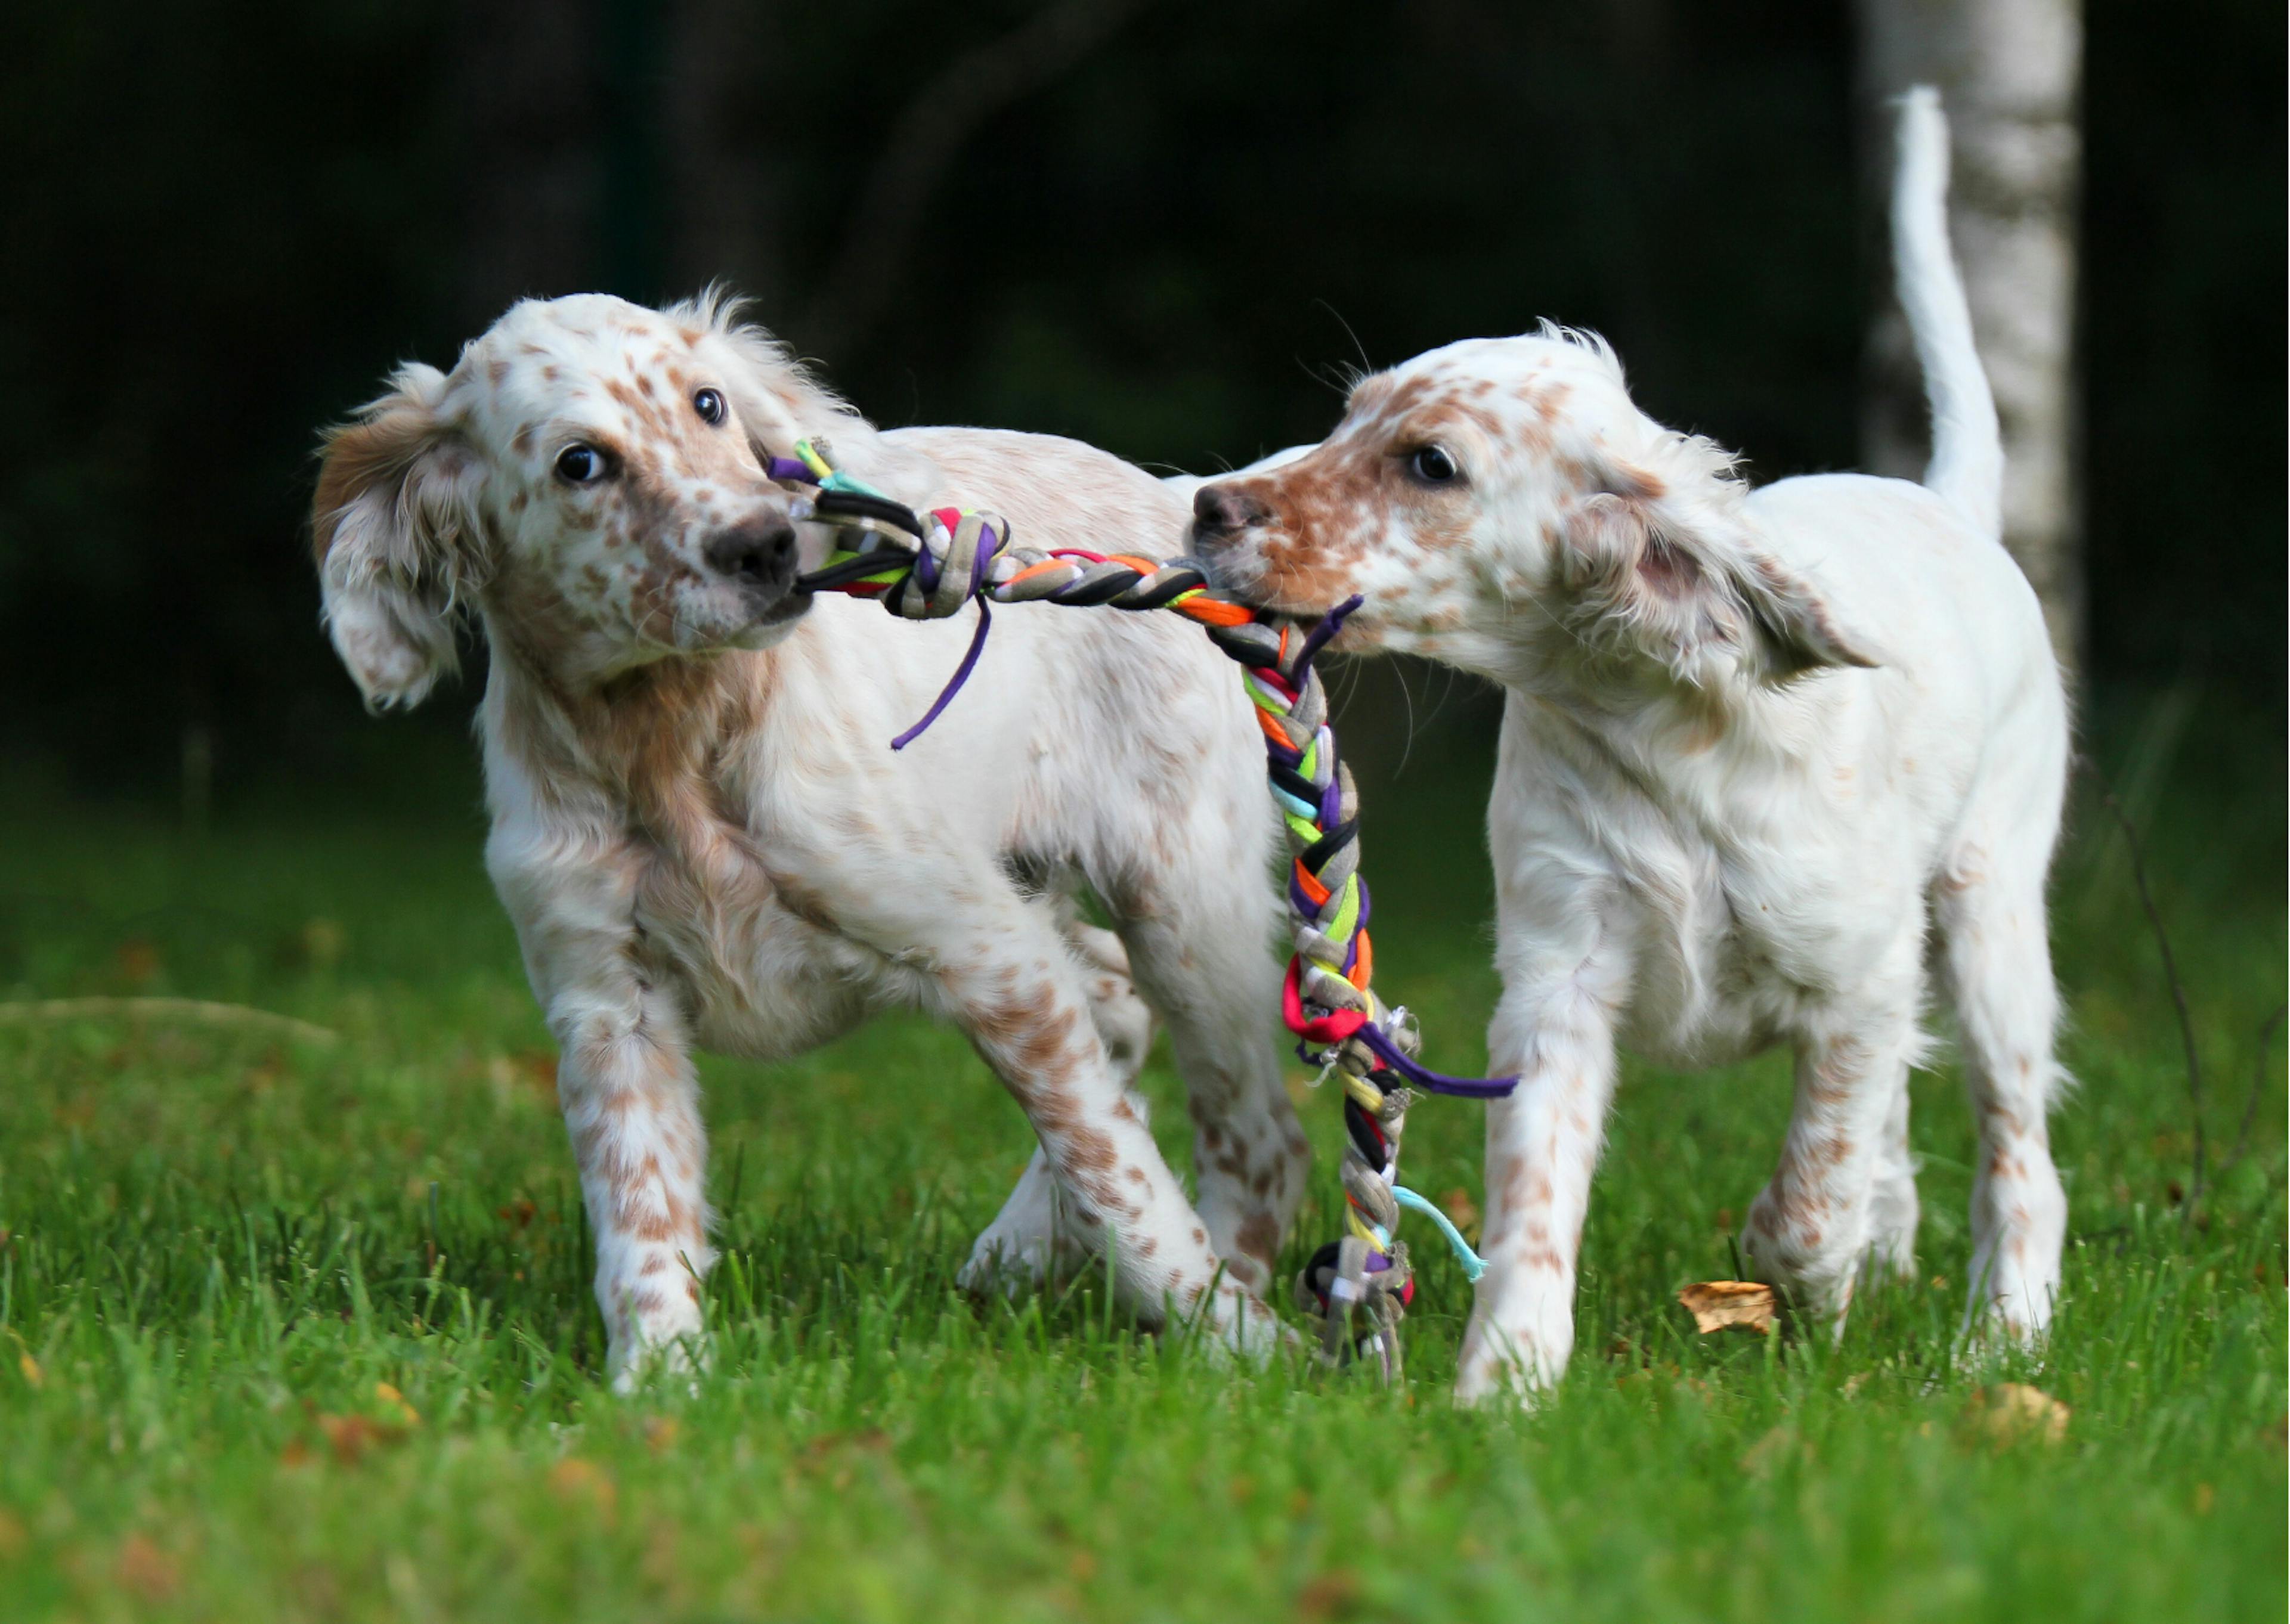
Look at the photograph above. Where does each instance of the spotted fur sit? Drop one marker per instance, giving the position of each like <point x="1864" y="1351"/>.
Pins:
<point x="703" y="839"/>
<point x="1765" y="756"/>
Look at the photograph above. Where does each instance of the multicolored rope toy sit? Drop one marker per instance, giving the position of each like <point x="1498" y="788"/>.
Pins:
<point x="928" y="566"/>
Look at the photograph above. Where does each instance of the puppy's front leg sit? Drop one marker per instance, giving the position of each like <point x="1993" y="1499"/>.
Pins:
<point x="632" y="1107"/>
<point x="624" y="1079"/>
<point x="1542" y="1147"/>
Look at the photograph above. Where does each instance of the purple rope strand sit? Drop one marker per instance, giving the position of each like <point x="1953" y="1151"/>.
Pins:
<point x="1424" y="1077"/>
<point x="961" y="675"/>
<point x="1330" y="625"/>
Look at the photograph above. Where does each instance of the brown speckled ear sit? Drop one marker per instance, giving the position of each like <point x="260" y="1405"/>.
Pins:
<point x="1794" y="621"/>
<point x="390" y="526"/>
<point x="1664" y="556"/>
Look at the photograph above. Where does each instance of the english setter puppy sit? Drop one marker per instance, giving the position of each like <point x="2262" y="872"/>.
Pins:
<point x="703" y="837"/>
<point x="1763" y="752"/>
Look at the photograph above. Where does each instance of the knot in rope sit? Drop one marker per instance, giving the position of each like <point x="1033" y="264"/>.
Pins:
<point x="952" y="566"/>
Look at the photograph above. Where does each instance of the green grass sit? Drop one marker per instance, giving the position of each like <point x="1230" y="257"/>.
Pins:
<point x="218" y="1243"/>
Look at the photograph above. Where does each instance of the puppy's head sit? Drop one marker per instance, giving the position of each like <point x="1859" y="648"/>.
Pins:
<point x="588" y="475"/>
<point x="1501" y="505"/>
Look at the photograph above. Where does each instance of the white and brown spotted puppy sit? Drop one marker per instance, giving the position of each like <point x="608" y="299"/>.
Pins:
<point x="1763" y="752"/>
<point x="702" y="837"/>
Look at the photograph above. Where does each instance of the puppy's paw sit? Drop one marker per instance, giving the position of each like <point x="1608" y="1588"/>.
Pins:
<point x="1509" y="1365"/>
<point x="1241" y="1329"/>
<point x="659" y="1366"/>
<point x="1031" y="1243"/>
<point x="1012" y="1265"/>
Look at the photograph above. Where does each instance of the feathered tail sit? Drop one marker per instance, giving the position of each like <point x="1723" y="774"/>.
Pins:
<point x="1967" y="460"/>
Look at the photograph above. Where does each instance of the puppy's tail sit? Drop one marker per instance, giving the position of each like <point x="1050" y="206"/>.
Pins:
<point x="1967" y="460"/>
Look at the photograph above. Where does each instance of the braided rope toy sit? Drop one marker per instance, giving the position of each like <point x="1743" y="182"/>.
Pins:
<point x="926" y="565"/>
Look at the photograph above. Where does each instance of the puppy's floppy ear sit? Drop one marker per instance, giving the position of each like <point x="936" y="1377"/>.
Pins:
<point x="1793" y="621"/>
<point x="393" y="531"/>
<point x="1664" y="556"/>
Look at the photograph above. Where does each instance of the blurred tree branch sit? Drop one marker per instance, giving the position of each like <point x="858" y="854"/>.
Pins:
<point x="939" y="117"/>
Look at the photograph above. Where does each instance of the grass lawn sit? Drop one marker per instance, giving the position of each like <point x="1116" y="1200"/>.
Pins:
<point x="303" y="1331"/>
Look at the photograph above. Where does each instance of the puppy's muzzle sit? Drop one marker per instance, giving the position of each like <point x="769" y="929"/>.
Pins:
<point x="1222" y="516"/>
<point x="757" y="555"/>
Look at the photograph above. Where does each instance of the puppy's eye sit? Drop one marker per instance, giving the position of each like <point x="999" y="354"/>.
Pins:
<point x="1432" y="465"/>
<point x="580" y="465"/>
<point x="710" y="405"/>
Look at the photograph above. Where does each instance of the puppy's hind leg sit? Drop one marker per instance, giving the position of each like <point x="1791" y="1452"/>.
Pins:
<point x="1893" y="1207"/>
<point x="1825" y="1211"/>
<point x="1201" y="942"/>
<point x="1035" y="1239"/>
<point x="1125" y="1021"/>
<point x="2000" y="973"/>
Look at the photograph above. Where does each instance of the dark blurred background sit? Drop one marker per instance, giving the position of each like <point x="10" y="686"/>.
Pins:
<point x="1159" y="225"/>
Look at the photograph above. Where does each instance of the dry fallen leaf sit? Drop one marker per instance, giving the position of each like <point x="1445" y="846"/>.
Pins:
<point x="2011" y="1410"/>
<point x="1772" y="1449"/>
<point x="1461" y="1211"/>
<point x="394" y="1400"/>
<point x="321" y="943"/>
<point x="351" y="1435"/>
<point x="138" y="961"/>
<point x="572" y="1480"/>
<point x="30" y="1367"/>
<point x="1717" y="1305"/>
<point x="660" y="1433"/>
<point x="531" y="1071"/>
<point x="869" y="1440"/>
<point x="1332" y="1594"/>
<point x="144" y="1569"/>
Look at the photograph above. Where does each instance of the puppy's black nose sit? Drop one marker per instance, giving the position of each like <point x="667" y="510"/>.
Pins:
<point x="759" y="553"/>
<point x="1220" y="510"/>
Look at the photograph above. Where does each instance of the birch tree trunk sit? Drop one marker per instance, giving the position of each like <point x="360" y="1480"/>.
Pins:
<point x="2009" y="73"/>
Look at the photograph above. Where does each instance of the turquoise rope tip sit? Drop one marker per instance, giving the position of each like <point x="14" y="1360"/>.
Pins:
<point x="1474" y="1265"/>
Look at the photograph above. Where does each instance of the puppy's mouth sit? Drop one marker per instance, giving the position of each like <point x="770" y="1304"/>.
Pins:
<point x="1233" y="571"/>
<point x="1232" y="568"/>
<point x="793" y="606"/>
<point x="766" y="623"/>
<point x="756" y="558"/>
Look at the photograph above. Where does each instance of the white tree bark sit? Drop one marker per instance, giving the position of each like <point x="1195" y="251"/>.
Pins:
<point x="2009" y="73"/>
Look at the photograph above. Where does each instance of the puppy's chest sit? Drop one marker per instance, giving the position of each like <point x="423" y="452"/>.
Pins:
<point x="750" y="942"/>
<point x="1713" y="978"/>
<point x="1738" y="933"/>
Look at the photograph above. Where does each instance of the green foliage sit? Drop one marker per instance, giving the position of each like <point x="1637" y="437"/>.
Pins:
<point x="225" y="224"/>
<point x="295" y="1330"/>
